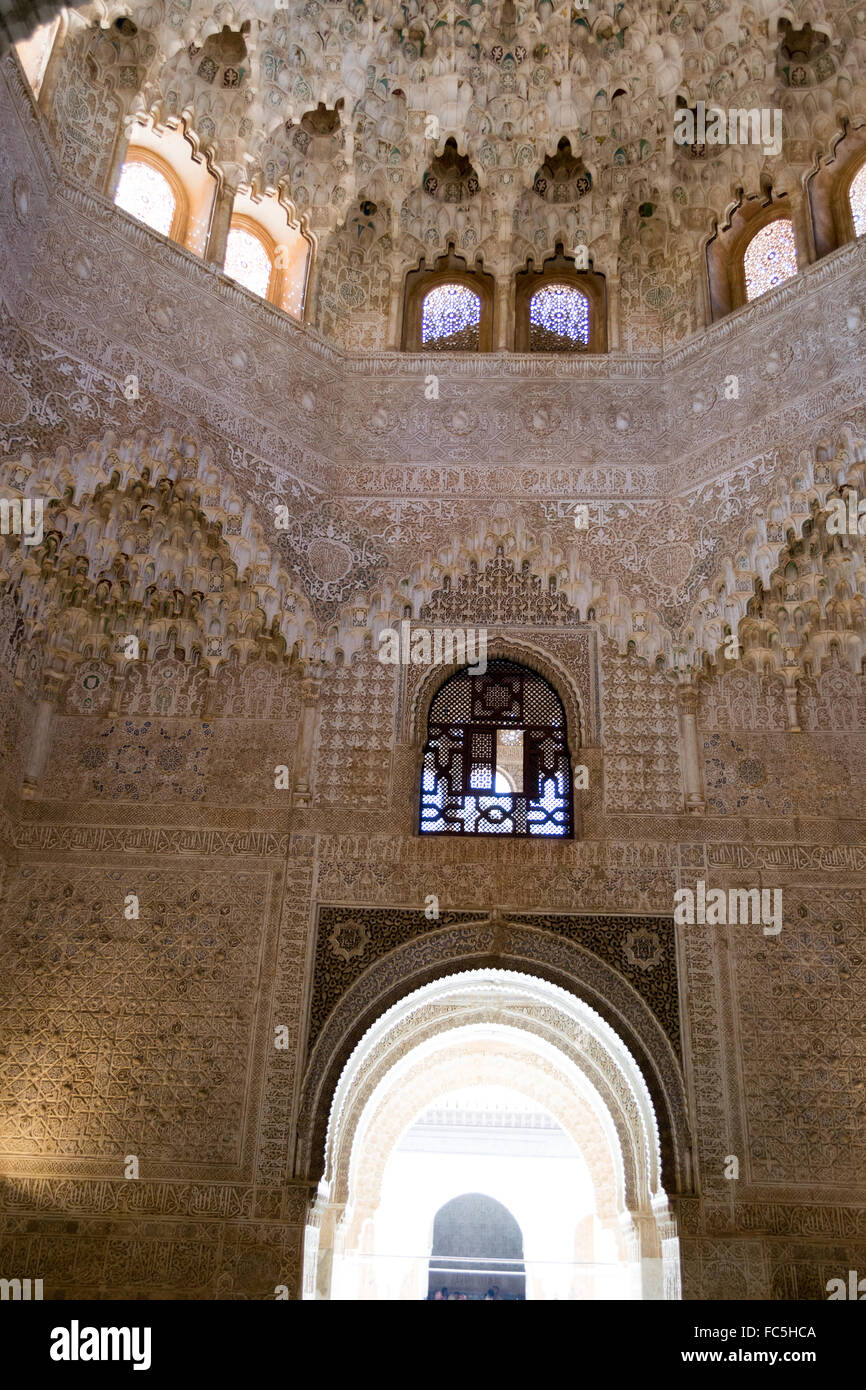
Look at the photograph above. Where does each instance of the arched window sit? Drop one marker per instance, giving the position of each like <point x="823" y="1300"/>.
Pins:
<point x="496" y="760"/>
<point x="451" y="319"/>
<point x="448" y="307"/>
<point x="770" y="257"/>
<point x="145" y="193"/>
<point x="837" y="192"/>
<point x="247" y="261"/>
<point x="558" y="319"/>
<point x="857" y="199"/>
<point x="559" y="307"/>
<point x="267" y="251"/>
<point x="164" y="184"/>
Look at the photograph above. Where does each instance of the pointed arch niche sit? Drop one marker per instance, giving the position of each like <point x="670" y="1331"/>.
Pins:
<point x="610" y="1234"/>
<point x="728" y="251"/>
<point x="837" y="216"/>
<point x="171" y="155"/>
<point x="464" y="293"/>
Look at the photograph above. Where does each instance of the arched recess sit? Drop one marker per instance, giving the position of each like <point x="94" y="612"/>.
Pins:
<point x="829" y="191"/>
<point x="495" y="943"/>
<point x="582" y="716"/>
<point x="559" y="270"/>
<point x="482" y="1026"/>
<point x="173" y="151"/>
<point x="728" y="245"/>
<point x="450" y="269"/>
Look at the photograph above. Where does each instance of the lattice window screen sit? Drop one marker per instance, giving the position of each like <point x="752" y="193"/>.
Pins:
<point x="496" y="759"/>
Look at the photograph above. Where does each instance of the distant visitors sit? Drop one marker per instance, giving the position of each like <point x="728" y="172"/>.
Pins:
<point x="442" y="1295"/>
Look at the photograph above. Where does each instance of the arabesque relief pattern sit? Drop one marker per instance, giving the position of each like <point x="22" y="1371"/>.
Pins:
<point x="183" y="1036"/>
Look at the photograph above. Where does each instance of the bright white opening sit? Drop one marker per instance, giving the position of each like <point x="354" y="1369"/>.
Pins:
<point x="496" y="1141"/>
<point x="857" y="197"/>
<point x="146" y="194"/>
<point x="430" y="1108"/>
<point x="247" y="261"/>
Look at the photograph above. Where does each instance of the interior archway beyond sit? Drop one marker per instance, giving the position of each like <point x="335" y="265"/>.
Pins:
<point x="564" y="1139"/>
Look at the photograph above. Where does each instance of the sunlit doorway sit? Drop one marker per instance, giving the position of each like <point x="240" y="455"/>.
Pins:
<point x="500" y="1085"/>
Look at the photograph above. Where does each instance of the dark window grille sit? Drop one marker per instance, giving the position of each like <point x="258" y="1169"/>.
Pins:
<point x="496" y="758"/>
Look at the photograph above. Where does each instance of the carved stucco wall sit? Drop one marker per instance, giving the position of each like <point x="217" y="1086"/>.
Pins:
<point x="334" y="107"/>
<point x="663" y="458"/>
<point x="159" y="778"/>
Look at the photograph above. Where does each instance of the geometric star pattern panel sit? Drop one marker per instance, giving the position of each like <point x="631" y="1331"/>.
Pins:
<point x="129" y="1036"/>
<point x="802" y="1003"/>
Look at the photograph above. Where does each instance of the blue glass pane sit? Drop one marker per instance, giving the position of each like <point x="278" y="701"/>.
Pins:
<point x="558" y="319"/>
<point x="450" y="317"/>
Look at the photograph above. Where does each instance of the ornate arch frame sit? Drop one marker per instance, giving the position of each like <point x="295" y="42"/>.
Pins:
<point x="727" y="247"/>
<point x="494" y="942"/>
<point x="582" y="1055"/>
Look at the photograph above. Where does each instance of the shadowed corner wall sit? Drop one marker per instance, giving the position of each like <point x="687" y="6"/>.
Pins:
<point x="153" y="1036"/>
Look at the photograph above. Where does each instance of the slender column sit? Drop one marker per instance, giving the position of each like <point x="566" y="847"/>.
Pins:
<point x="613" y="338"/>
<point x="218" y="232"/>
<point x="501" y="313"/>
<point x="395" y="297"/>
<point x="40" y="742"/>
<point x="211" y="693"/>
<point x="117" y="161"/>
<point x="802" y="220"/>
<point x="330" y="1242"/>
<point x="687" y="705"/>
<point x="791" y="674"/>
<point x="310" y="691"/>
<point x="118" y="682"/>
<point x="666" y="1227"/>
<point x="312" y="287"/>
<point x="646" y="1246"/>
